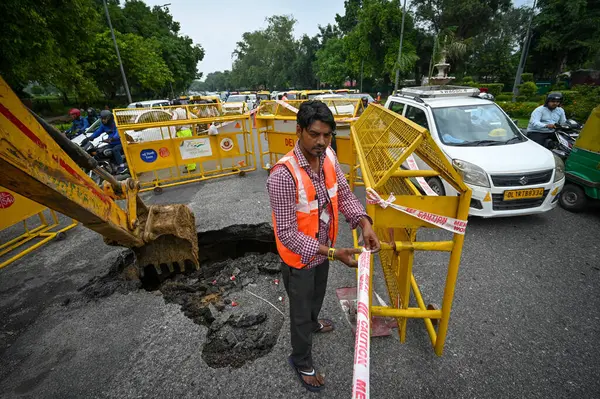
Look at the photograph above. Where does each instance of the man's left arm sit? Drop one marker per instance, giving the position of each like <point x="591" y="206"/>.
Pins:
<point x="354" y="211"/>
<point x="562" y="117"/>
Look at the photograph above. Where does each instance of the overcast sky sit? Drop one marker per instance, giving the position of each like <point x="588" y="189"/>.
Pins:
<point x="219" y="24"/>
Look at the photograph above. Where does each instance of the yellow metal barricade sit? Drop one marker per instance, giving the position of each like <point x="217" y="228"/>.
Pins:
<point x="15" y="209"/>
<point x="184" y="144"/>
<point x="384" y="141"/>
<point x="276" y="127"/>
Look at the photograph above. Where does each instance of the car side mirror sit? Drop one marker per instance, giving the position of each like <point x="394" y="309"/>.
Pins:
<point x="516" y="121"/>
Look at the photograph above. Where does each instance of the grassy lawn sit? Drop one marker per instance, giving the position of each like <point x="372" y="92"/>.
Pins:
<point x="522" y="122"/>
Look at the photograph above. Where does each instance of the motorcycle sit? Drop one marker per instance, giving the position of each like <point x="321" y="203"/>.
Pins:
<point x="102" y="153"/>
<point x="562" y="139"/>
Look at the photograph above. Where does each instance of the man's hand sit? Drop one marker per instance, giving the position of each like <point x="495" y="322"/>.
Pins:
<point x="371" y="241"/>
<point x="346" y="255"/>
<point x="551" y="126"/>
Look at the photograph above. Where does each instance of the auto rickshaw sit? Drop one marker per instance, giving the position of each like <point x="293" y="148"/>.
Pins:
<point x="582" y="169"/>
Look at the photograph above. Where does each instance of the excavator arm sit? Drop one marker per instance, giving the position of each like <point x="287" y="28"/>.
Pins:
<point x="41" y="164"/>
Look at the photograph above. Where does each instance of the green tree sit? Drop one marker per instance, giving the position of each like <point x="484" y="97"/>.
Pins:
<point x="331" y="63"/>
<point x="218" y="81"/>
<point x="263" y="57"/>
<point x="179" y="52"/>
<point x="303" y="75"/>
<point x="470" y="17"/>
<point x="565" y="36"/>
<point x="147" y="72"/>
<point x="37" y="35"/>
<point x="375" y="38"/>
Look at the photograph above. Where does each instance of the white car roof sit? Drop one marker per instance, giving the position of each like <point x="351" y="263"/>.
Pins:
<point x="442" y="101"/>
<point x="326" y="96"/>
<point x="147" y="103"/>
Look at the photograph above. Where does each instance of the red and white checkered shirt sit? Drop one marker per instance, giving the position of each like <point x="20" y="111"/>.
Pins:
<point x="282" y="195"/>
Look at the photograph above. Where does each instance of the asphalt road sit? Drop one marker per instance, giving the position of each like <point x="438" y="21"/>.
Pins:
<point x="524" y="322"/>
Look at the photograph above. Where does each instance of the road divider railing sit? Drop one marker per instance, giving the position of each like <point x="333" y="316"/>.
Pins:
<point x="16" y="209"/>
<point x="275" y="122"/>
<point x="385" y="141"/>
<point x="169" y="146"/>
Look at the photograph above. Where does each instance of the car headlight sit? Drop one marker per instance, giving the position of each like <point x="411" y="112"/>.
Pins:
<point x="559" y="168"/>
<point x="471" y="174"/>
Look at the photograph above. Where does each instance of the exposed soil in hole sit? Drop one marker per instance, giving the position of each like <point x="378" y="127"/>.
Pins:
<point x="235" y="263"/>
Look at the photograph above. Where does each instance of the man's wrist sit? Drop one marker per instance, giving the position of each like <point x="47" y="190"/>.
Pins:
<point x="331" y="254"/>
<point x="364" y="221"/>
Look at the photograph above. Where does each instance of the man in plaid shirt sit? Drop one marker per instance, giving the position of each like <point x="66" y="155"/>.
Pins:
<point x="306" y="280"/>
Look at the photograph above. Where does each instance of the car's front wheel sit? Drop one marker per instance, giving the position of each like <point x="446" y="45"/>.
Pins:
<point x="572" y="198"/>
<point x="436" y="185"/>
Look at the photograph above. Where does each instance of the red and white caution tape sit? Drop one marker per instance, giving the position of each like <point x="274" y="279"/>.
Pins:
<point x="288" y="106"/>
<point x="412" y="165"/>
<point x="444" y="222"/>
<point x="360" y="379"/>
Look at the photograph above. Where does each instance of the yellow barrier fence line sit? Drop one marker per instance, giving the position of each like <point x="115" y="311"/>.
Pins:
<point x="452" y="275"/>
<point x="444" y="246"/>
<point x="40" y="231"/>
<point x="419" y="299"/>
<point x="397" y="163"/>
<point x="47" y="237"/>
<point x="32" y="231"/>
<point x="412" y="313"/>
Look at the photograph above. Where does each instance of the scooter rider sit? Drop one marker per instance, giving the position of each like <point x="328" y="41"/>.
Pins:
<point x="545" y="117"/>
<point x="79" y="124"/>
<point x="114" y="141"/>
<point x="92" y="116"/>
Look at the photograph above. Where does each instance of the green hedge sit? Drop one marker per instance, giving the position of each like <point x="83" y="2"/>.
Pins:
<point x="526" y="77"/>
<point x="504" y="97"/>
<point x="518" y="109"/>
<point x="528" y="89"/>
<point x="493" y="88"/>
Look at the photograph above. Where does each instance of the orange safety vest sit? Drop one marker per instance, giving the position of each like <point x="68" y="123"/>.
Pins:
<point x="307" y="205"/>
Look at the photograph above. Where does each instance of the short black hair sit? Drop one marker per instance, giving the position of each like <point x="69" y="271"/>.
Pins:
<point x="315" y="110"/>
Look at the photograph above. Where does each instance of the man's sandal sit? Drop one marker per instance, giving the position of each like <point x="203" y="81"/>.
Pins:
<point x="300" y="373"/>
<point x="325" y="326"/>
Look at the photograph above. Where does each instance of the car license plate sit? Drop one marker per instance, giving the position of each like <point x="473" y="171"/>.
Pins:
<point x="511" y="195"/>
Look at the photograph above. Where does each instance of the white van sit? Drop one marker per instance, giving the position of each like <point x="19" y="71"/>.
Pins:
<point x="509" y="174"/>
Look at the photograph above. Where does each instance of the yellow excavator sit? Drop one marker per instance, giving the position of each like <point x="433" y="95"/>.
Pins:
<point x="40" y="163"/>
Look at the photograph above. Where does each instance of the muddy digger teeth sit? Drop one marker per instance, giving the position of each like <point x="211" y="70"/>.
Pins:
<point x="171" y="241"/>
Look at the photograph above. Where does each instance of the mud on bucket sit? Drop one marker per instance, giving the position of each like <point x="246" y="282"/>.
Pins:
<point x="169" y="232"/>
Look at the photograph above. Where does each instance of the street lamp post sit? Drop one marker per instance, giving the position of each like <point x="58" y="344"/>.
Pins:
<point x="400" y="48"/>
<point x="112" y="32"/>
<point x="524" y="53"/>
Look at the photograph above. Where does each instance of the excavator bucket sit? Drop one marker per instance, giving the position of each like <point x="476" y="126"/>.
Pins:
<point x="171" y="242"/>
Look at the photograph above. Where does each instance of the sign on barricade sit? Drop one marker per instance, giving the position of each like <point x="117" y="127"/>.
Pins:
<point x="176" y="145"/>
<point x="384" y="142"/>
<point x="14" y="209"/>
<point x="276" y="126"/>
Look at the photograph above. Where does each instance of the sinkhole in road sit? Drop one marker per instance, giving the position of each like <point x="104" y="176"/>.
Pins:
<point x="236" y="293"/>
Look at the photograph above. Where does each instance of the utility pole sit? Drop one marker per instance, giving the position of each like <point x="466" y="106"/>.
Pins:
<point x="362" y="65"/>
<point x="400" y="48"/>
<point x="524" y="53"/>
<point x="112" y="32"/>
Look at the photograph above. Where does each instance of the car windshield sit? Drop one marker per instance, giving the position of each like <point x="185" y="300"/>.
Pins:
<point x="475" y="125"/>
<point x="236" y="99"/>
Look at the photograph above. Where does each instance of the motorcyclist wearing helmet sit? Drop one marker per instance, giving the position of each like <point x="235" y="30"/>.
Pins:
<point x="109" y="126"/>
<point x="545" y="117"/>
<point x="92" y="116"/>
<point x="365" y="101"/>
<point x="79" y="124"/>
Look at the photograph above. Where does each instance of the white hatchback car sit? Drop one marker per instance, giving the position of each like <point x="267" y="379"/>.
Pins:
<point x="509" y="174"/>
